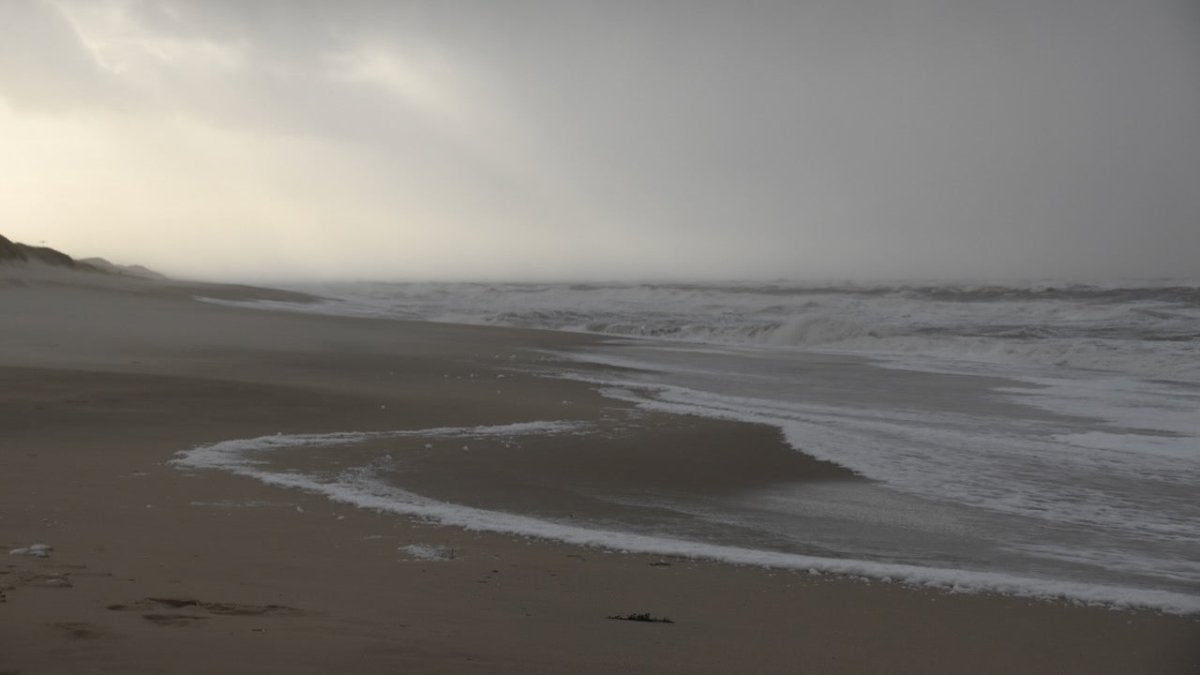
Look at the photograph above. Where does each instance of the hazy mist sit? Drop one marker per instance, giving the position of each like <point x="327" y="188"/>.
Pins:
<point x="912" y="138"/>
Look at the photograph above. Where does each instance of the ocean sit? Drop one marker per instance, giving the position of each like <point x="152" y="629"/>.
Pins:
<point x="1037" y="439"/>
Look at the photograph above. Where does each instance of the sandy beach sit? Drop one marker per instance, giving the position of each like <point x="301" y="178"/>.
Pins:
<point x="158" y="570"/>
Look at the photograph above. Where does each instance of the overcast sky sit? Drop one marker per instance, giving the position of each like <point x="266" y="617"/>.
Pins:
<point x="844" y="139"/>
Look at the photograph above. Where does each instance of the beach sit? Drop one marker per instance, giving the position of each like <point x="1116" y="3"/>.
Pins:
<point x="161" y="568"/>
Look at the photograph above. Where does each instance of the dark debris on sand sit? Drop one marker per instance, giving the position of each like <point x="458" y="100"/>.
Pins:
<point x="644" y="617"/>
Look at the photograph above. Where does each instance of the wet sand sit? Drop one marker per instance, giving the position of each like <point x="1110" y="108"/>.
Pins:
<point x="158" y="570"/>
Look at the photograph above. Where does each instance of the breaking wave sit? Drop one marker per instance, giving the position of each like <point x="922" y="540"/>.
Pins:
<point x="1146" y="330"/>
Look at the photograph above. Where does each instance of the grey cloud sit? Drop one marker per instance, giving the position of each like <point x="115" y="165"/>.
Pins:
<point x="43" y="65"/>
<point x="852" y="138"/>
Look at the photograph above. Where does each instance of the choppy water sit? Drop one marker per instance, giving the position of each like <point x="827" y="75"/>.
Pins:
<point x="1147" y="330"/>
<point x="1041" y="438"/>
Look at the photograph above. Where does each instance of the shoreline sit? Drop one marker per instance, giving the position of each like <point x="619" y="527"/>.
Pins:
<point x="102" y="388"/>
<point x="246" y="457"/>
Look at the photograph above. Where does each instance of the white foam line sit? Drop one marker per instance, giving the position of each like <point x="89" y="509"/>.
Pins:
<point x="359" y="489"/>
<point x="227" y="454"/>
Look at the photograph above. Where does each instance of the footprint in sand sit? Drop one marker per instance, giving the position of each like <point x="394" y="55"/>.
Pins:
<point x="77" y="629"/>
<point x="217" y="608"/>
<point x="173" y="620"/>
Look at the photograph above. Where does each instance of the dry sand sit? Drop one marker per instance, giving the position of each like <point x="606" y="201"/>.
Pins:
<point x="157" y="570"/>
